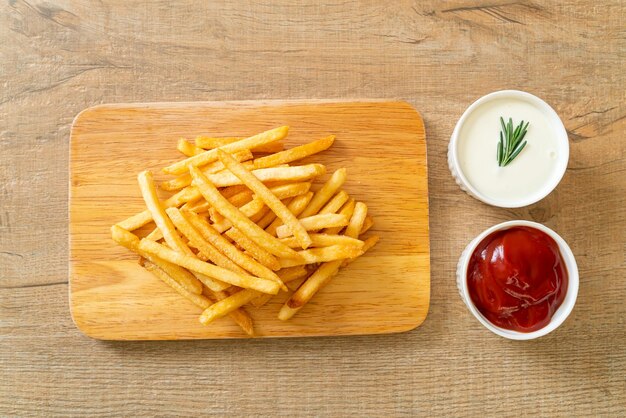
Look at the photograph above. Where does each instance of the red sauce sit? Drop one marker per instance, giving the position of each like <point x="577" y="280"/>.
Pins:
<point x="517" y="278"/>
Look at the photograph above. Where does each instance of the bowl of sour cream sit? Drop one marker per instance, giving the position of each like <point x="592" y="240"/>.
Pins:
<point x="509" y="149"/>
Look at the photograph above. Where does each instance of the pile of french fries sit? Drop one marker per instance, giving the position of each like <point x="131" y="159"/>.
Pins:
<point x="243" y="225"/>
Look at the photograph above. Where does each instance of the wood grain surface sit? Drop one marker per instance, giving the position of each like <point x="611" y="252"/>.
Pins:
<point x="59" y="57"/>
<point x="381" y="144"/>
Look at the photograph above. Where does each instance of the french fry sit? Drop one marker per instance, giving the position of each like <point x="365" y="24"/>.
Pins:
<point x="281" y="191"/>
<point x="346" y="210"/>
<point x="156" y="235"/>
<point x="323" y="254"/>
<point x="239" y="220"/>
<point x="288" y="275"/>
<point x="252" y="207"/>
<point x="143" y="218"/>
<point x="292" y="273"/>
<point x="295" y="153"/>
<point x="227" y="305"/>
<point x="260" y="214"/>
<point x="131" y="241"/>
<point x="324" y="194"/>
<point x="261" y="299"/>
<point x="335" y="203"/>
<point x="315" y="223"/>
<point x="296" y="206"/>
<point x="249" y="209"/>
<point x="273" y="174"/>
<point x="238" y="200"/>
<point x="229" y="250"/>
<point x="240" y="316"/>
<point x="325" y="240"/>
<point x="206" y="157"/>
<point x="210" y="143"/>
<point x="294" y="285"/>
<point x="273" y="202"/>
<point x="215" y="216"/>
<point x="309" y="288"/>
<point x="327" y="270"/>
<point x="197" y="241"/>
<point x="163" y="222"/>
<point x="187" y="148"/>
<point x="255" y="251"/>
<point x="199" y="300"/>
<point x="146" y="184"/>
<point x="367" y="244"/>
<point x="210" y="270"/>
<point x="285" y="191"/>
<point x="269" y="216"/>
<point x="357" y="220"/>
<point x="369" y="222"/>
<point x="184" y="180"/>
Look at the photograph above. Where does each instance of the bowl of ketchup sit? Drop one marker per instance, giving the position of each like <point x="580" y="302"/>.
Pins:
<point x="519" y="279"/>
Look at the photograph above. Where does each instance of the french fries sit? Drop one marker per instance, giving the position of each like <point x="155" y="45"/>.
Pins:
<point x="324" y="194"/>
<point x="163" y="222"/>
<point x="322" y="254"/>
<point x="309" y="288"/>
<point x="315" y="223"/>
<point x="204" y="247"/>
<point x="227" y="305"/>
<point x="325" y="240"/>
<point x="239" y="220"/>
<point x="252" y="208"/>
<point x="367" y="225"/>
<point x="218" y="241"/>
<point x="251" y="248"/>
<point x="143" y="218"/>
<point x="240" y="316"/>
<point x="296" y="206"/>
<point x="357" y="220"/>
<point x="296" y="153"/>
<point x="199" y="300"/>
<point x="184" y="180"/>
<point x="158" y="250"/>
<point x="288" y="276"/>
<point x="183" y="277"/>
<point x="335" y="203"/>
<point x="267" y="196"/>
<point x="187" y="148"/>
<point x="240" y="227"/>
<point x="210" y="143"/>
<point x="209" y="156"/>
<point x="346" y="210"/>
<point x="328" y="269"/>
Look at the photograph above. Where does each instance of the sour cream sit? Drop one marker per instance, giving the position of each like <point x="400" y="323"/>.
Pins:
<point x="533" y="174"/>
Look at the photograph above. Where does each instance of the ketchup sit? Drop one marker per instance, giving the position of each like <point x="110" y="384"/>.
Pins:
<point x="517" y="278"/>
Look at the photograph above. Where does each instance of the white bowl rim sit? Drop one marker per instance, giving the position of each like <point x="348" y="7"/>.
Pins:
<point x="561" y="134"/>
<point x="564" y="310"/>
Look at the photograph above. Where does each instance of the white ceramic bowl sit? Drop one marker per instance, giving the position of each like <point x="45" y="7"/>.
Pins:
<point x="559" y="316"/>
<point x="547" y="187"/>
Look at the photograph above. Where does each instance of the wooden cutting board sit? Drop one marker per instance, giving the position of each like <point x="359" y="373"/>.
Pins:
<point x="382" y="144"/>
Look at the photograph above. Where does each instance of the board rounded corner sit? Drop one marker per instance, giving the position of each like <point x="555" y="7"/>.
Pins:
<point x="414" y="325"/>
<point x="411" y="108"/>
<point x="80" y="325"/>
<point x="86" y="111"/>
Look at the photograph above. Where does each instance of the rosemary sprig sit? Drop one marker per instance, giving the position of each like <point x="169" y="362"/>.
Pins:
<point x="510" y="144"/>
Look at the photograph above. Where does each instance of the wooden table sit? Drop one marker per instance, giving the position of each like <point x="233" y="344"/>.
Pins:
<point x="56" y="58"/>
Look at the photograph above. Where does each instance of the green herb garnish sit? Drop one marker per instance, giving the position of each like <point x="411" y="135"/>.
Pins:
<point x="511" y="144"/>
